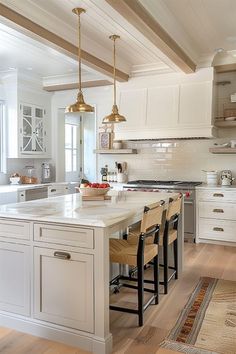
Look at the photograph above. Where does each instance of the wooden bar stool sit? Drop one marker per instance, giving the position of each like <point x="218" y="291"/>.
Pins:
<point x="169" y="237"/>
<point x="138" y="255"/>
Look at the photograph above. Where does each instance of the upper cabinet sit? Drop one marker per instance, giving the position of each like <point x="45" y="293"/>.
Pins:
<point x="28" y="118"/>
<point x="32" y="130"/>
<point x="178" y="107"/>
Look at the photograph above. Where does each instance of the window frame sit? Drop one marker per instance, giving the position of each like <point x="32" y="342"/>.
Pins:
<point x="74" y="148"/>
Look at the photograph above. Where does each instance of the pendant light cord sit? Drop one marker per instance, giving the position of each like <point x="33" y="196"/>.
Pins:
<point x="114" y="69"/>
<point x="79" y="53"/>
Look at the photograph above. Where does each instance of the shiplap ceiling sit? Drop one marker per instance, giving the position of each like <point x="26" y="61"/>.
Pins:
<point x="198" y="26"/>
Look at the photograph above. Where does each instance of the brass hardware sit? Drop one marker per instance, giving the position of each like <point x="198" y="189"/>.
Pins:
<point x="62" y="255"/>
<point x="218" y="195"/>
<point x="114" y="117"/>
<point x="79" y="106"/>
<point x="218" y="211"/>
<point x="218" y="229"/>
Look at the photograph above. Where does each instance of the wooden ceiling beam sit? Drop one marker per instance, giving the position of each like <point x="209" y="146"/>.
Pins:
<point x="33" y="30"/>
<point x="142" y="20"/>
<point x="73" y="86"/>
<point x="225" y="68"/>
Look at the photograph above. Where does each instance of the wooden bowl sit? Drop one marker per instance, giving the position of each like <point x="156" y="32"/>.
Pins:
<point x="91" y="192"/>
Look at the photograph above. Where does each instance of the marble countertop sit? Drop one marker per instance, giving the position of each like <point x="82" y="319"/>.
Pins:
<point x="70" y="210"/>
<point x="6" y="188"/>
<point x="218" y="186"/>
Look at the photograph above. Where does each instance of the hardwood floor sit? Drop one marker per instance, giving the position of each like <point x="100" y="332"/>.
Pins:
<point x="200" y="260"/>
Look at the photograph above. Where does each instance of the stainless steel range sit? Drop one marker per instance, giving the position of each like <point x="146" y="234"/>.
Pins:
<point x="185" y="187"/>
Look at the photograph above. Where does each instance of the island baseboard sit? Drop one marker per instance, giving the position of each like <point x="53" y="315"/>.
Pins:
<point x="71" y="337"/>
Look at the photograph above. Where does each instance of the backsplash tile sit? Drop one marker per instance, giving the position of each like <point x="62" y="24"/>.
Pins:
<point x="175" y="159"/>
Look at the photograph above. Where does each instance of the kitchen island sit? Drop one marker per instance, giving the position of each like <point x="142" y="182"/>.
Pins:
<point x="54" y="265"/>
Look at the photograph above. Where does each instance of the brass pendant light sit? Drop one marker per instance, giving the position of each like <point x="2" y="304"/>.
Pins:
<point x="79" y="106"/>
<point x="114" y="117"/>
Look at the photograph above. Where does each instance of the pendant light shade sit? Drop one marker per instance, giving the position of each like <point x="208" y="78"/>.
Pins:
<point x="79" y="106"/>
<point x="114" y="117"/>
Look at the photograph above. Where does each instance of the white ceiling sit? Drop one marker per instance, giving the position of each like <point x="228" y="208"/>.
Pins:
<point x="198" y="26"/>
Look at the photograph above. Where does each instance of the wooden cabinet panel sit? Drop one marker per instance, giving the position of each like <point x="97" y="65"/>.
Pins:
<point x="15" y="278"/>
<point x="63" y="288"/>
<point x="15" y="229"/>
<point x="162" y="106"/>
<point x="195" y="104"/>
<point x="64" y="235"/>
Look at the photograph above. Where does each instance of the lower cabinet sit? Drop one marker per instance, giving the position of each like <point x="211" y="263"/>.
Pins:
<point x="63" y="288"/>
<point x="15" y="278"/>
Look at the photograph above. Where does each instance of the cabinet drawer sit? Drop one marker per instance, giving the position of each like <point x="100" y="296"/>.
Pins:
<point x="217" y="195"/>
<point x="217" y="210"/>
<point x="14" y="229"/>
<point x="65" y="235"/>
<point x="218" y="230"/>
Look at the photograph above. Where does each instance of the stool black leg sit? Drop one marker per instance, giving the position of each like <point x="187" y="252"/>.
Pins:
<point x="176" y="258"/>
<point x="156" y="278"/>
<point x="166" y="262"/>
<point x="140" y="294"/>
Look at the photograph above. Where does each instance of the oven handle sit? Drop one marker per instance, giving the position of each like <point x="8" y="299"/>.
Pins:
<point x="190" y="202"/>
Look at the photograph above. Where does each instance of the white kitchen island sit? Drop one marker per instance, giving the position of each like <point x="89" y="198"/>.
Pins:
<point x="54" y="265"/>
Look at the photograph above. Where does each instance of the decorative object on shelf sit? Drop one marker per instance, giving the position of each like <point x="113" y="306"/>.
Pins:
<point x="117" y="144"/>
<point x="79" y="106"/>
<point x="226" y="178"/>
<point x="106" y="136"/>
<point x="114" y="117"/>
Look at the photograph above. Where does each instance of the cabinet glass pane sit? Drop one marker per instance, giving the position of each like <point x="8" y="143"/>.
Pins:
<point x="38" y="112"/>
<point x="27" y="144"/>
<point x="39" y="144"/>
<point x="27" y="111"/>
<point x="27" y="126"/>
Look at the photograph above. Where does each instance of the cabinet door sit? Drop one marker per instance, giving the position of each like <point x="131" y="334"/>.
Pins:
<point x="132" y="104"/>
<point x="32" y="130"/>
<point x="15" y="278"/>
<point x="63" y="288"/>
<point x="195" y="105"/>
<point x="162" y="106"/>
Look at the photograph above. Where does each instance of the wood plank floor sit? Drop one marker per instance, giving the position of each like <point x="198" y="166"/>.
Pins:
<point x="200" y="260"/>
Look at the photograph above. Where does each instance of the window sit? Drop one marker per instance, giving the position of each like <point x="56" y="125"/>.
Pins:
<point x="2" y="138"/>
<point x="72" y="152"/>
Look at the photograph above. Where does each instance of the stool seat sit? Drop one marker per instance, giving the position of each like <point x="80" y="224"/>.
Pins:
<point x="122" y="252"/>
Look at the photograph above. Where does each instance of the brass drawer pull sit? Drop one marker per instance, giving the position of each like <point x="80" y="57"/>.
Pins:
<point x="218" y="229"/>
<point x="62" y="255"/>
<point x="218" y="195"/>
<point x="218" y="211"/>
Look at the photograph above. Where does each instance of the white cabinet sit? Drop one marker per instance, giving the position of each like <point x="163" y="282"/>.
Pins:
<point x="32" y="130"/>
<point x="15" y="278"/>
<point x="63" y="283"/>
<point x="216" y="215"/>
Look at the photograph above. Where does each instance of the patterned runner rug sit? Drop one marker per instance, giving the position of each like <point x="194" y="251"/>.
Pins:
<point x="208" y="322"/>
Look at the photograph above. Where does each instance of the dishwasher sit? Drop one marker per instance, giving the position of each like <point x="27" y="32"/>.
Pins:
<point x="33" y="194"/>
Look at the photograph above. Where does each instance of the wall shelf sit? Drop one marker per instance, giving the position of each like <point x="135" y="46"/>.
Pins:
<point x="222" y="150"/>
<point x="225" y="124"/>
<point x="116" y="151"/>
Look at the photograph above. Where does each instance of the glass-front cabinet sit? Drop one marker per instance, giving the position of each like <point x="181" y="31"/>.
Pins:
<point x="32" y="130"/>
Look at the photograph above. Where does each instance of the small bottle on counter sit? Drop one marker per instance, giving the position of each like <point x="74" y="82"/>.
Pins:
<point x="104" y="173"/>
